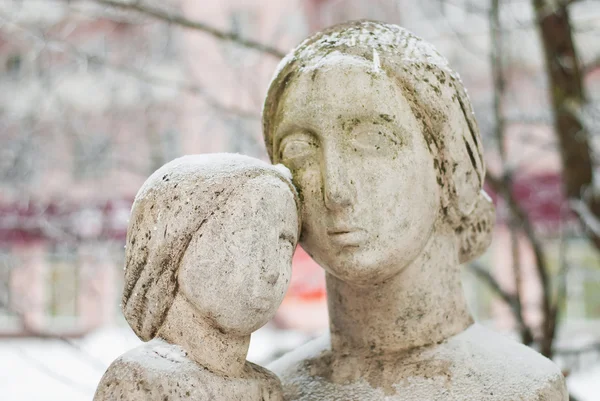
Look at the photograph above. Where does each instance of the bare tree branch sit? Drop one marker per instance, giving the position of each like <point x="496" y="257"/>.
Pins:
<point x="136" y="73"/>
<point x="499" y="81"/>
<point x="182" y="21"/>
<point x="509" y="299"/>
<point x="568" y="97"/>
<point x="485" y="275"/>
<point x="591" y="66"/>
<point x="523" y="219"/>
<point x="567" y="92"/>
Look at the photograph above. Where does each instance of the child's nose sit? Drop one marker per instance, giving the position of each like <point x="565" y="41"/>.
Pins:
<point x="271" y="276"/>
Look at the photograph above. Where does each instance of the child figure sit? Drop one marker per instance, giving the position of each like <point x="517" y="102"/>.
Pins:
<point x="208" y="261"/>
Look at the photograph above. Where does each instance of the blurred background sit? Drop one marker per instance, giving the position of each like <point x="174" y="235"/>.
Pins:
<point x="96" y="95"/>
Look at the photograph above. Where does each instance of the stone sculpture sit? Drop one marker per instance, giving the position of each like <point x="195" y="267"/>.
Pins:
<point x="386" y="155"/>
<point x="208" y="260"/>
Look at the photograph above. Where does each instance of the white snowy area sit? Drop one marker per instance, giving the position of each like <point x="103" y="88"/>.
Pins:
<point x="37" y="369"/>
<point x="33" y="369"/>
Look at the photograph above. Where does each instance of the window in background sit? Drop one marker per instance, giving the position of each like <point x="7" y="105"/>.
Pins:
<point x="92" y="155"/>
<point x="7" y="262"/>
<point x="163" y="43"/>
<point x="242" y="23"/>
<point x="583" y="278"/>
<point x="20" y="156"/>
<point x="243" y="138"/>
<point x="10" y="307"/>
<point x="119" y="282"/>
<point x="14" y="65"/>
<point x="170" y="143"/>
<point x="335" y="12"/>
<point x="479" y="296"/>
<point x="62" y="286"/>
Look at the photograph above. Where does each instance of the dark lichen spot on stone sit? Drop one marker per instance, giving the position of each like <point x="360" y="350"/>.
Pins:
<point x="387" y="117"/>
<point x="471" y="156"/>
<point x="313" y="76"/>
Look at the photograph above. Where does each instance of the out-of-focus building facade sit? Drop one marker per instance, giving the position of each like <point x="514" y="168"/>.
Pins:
<point x="92" y="101"/>
<point x="79" y="134"/>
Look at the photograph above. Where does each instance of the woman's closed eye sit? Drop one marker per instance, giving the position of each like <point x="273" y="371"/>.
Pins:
<point x="375" y="140"/>
<point x="296" y="147"/>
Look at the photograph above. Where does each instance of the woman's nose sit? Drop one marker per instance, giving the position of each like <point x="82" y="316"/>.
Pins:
<point x="338" y="189"/>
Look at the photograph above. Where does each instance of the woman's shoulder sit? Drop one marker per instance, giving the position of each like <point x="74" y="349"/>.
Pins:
<point x="481" y="364"/>
<point x="476" y="364"/>
<point x="491" y="350"/>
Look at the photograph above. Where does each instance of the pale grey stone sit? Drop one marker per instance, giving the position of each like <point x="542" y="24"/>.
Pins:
<point x="385" y="152"/>
<point x="208" y="260"/>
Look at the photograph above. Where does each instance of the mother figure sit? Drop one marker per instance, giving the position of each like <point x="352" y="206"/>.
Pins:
<point x="386" y="154"/>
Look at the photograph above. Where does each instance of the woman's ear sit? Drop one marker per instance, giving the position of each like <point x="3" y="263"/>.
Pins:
<point x="476" y="233"/>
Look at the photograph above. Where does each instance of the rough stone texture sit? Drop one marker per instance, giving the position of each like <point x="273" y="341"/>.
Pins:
<point x="386" y="155"/>
<point x="208" y="261"/>
<point x="475" y="365"/>
<point x="161" y="371"/>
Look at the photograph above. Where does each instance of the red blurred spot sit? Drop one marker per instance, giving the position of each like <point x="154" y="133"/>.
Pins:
<point x="308" y="279"/>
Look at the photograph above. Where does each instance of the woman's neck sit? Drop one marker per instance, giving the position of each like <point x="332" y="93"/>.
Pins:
<point x="204" y="343"/>
<point x="423" y="304"/>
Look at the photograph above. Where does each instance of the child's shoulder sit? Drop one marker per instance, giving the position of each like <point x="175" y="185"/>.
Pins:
<point x="140" y="372"/>
<point x="158" y="356"/>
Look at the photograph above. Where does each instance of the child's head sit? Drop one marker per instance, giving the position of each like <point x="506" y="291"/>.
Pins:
<point x="218" y="229"/>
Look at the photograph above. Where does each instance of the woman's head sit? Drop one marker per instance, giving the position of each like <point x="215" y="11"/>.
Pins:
<point x="219" y="230"/>
<point x="384" y="149"/>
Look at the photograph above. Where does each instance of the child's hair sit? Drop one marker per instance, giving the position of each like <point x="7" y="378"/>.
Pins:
<point x="169" y="209"/>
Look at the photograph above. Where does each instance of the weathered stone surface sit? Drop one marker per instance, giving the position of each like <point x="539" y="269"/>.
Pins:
<point x="474" y="365"/>
<point x="208" y="261"/>
<point x="386" y="155"/>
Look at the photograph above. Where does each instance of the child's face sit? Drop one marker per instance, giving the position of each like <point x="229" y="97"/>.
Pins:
<point x="237" y="268"/>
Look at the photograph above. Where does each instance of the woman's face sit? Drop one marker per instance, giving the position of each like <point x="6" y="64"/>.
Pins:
<point x="361" y="164"/>
<point x="237" y="268"/>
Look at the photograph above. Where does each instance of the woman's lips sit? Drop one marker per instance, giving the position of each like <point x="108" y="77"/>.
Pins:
<point x="347" y="236"/>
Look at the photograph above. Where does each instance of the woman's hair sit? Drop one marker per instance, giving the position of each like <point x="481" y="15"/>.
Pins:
<point x="437" y="99"/>
<point x="169" y="209"/>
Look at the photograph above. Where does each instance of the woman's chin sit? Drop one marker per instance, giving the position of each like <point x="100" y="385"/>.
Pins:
<point x="362" y="267"/>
